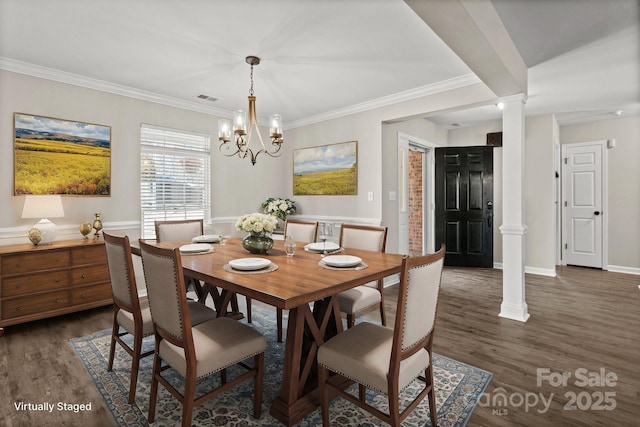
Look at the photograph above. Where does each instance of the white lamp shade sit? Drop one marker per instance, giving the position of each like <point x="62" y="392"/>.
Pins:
<point x="46" y="206"/>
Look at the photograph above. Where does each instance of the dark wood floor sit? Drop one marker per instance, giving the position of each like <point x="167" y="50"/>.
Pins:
<point x="584" y="321"/>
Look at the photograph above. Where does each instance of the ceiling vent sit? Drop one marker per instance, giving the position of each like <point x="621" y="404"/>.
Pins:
<point x="208" y="98"/>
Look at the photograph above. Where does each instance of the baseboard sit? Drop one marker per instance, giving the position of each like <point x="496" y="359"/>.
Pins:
<point x="549" y="272"/>
<point x="622" y="269"/>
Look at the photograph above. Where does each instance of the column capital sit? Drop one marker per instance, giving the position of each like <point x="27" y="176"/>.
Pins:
<point x="512" y="99"/>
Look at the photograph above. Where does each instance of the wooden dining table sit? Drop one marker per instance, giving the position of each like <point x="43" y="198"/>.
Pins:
<point x="293" y="285"/>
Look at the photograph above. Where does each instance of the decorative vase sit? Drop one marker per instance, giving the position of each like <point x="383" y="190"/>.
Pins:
<point x="85" y="229"/>
<point x="35" y="235"/>
<point x="97" y="224"/>
<point x="257" y="243"/>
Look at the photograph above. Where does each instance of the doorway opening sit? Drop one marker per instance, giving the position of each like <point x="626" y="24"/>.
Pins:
<point x="416" y="205"/>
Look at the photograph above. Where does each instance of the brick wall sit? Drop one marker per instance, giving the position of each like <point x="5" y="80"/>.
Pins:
<point x="416" y="198"/>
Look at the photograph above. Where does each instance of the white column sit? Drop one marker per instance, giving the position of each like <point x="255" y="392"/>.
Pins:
<point x="513" y="227"/>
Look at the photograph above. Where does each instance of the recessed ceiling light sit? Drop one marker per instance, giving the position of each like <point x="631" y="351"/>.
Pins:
<point x="500" y="105"/>
<point x="455" y="125"/>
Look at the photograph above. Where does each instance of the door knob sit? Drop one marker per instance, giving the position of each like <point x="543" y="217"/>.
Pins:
<point x="596" y="213"/>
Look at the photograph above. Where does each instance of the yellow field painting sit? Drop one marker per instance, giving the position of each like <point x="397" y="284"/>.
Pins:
<point x="55" y="167"/>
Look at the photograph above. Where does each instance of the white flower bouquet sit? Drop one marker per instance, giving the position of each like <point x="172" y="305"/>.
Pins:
<point x="280" y="208"/>
<point x="257" y="223"/>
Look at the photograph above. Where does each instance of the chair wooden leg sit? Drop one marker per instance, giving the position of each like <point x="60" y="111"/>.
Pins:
<point x="258" y="361"/>
<point x="323" y="376"/>
<point x="223" y="376"/>
<point x="433" y="411"/>
<point x="248" y="310"/>
<point x="394" y="406"/>
<point x="154" y="384"/>
<point x="188" y="401"/>
<point x="362" y="392"/>
<point x="135" y="365"/>
<point x="279" y="323"/>
<point x="351" y="320"/>
<point x="383" y="316"/>
<point x="114" y="334"/>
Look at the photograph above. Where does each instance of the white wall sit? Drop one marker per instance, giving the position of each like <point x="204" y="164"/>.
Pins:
<point x="623" y="219"/>
<point x="238" y="187"/>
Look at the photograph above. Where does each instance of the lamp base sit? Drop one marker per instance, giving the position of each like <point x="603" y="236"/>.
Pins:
<point x="48" y="231"/>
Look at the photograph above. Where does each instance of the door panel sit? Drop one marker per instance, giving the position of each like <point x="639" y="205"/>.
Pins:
<point x="584" y="203"/>
<point x="464" y="201"/>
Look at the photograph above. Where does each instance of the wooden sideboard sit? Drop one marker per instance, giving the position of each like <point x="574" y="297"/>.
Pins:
<point x="37" y="282"/>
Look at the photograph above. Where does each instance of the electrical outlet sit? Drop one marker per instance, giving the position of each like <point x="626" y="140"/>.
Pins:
<point x="370" y="196"/>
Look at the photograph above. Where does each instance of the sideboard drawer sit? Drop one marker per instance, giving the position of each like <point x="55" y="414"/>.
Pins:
<point x="89" y="255"/>
<point x="25" y="263"/>
<point x="32" y="283"/>
<point x="90" y="274"/>
<point x="86" y="294"/>
<point x="24" y="306"/>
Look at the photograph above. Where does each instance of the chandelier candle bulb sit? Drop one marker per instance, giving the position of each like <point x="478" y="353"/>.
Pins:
<point x="224" y="130"/>
<point x="240" y="120"/>
<point x="276" y="125"/>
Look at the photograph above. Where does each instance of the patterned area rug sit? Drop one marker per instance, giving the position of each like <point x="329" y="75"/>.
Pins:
<point x="458" y="388"/>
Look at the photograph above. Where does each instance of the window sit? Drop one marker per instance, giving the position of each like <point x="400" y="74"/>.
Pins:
<point x="175" y="176"/>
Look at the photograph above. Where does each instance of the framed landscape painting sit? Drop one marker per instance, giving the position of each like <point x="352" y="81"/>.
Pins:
<point x="326" y="170"/>
<point x="56" y="156"/>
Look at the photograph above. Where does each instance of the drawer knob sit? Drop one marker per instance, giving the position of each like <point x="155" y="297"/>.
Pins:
<point x="18" y="308"/>
<point x="18" y="265"/>
<point x="83" y="276"/>
<point x="57" y="280"/>
<point x="18" y="286"/>
<point x="57" y="300"/>
<point x="83" y="296"/>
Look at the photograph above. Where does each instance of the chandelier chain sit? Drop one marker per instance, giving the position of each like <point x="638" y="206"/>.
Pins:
<point x="251" y="89"/>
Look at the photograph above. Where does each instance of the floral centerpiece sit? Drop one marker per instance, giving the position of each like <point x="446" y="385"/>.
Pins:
<point x="259" y="226"/>
<point x="280" y="208"/>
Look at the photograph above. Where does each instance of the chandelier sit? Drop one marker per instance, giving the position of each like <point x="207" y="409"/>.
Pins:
<point x="240" y="125"/>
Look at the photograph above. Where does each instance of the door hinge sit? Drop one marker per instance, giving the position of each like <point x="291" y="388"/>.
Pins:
<point x="565" y="203"/>
<point x="566" y="246"/>
<point x="565" y="160"/>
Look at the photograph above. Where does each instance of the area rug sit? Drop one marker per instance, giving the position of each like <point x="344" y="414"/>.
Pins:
<point x="458" y="389"/>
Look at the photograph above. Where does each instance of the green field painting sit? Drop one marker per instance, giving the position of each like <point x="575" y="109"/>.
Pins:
<point x="326" y="170"/>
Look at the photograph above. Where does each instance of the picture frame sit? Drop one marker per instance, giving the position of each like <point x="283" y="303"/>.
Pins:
<point x="59" y="156"/>
<point x="327" y="170"/>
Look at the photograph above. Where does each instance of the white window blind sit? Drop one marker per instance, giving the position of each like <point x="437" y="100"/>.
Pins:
<point x="175" y="176"/>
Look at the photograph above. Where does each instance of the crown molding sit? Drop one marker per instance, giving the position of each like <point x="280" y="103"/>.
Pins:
<point x="408" y="95"/>
<point x="26" y="68"/>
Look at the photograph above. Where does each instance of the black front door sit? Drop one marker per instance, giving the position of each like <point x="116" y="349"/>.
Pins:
<point x="464" y="205"/>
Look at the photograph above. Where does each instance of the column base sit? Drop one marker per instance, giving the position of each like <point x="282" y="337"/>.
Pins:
<point x="517" y="312"/>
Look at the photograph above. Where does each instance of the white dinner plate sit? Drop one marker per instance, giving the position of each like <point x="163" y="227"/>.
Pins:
<point x="249" y="264"/>
<point x="207" y="238"/>
<point x="322" y="246"/>
<point x="342" y="260"/>
<point x="195" y="248"/>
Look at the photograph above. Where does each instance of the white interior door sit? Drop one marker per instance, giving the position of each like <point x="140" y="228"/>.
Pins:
<point x="584" y="203"/>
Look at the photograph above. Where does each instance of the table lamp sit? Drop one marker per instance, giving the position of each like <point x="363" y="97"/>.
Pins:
<point x="45" y="206"/>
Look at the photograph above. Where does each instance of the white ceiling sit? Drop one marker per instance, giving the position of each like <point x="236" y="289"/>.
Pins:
<point x="320" y="57"/>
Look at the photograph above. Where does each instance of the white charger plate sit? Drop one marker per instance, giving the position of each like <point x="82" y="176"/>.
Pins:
<point x="249" y="264"/>
<point x="342" y="260"/>
<point x="322" y="246"/>
<point x="207" y="238"/>
<point x="195" y="248"/>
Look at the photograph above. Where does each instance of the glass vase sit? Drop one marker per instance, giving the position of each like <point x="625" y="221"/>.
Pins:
<point x="257" y="243"/>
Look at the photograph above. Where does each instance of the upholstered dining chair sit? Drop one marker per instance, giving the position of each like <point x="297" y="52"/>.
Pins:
<point x="131" y="313"/>
<point x="384" y="359"/>
<point x="195" y="352"/>
<point x="352" y="301"/>
<point x="184" y="229"/>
